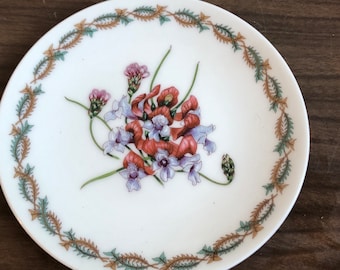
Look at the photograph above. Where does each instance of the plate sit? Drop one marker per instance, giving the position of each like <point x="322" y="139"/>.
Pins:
<point x="147" y="135"/>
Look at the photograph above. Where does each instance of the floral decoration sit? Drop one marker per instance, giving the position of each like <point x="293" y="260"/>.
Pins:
<point x="24" y="171"/>
<point x="158" y="133"/>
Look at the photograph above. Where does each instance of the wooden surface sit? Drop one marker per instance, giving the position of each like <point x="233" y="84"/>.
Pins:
<point x="307" y="34"/>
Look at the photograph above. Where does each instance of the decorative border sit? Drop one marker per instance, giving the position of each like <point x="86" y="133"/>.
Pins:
<point x="24" y="172"/>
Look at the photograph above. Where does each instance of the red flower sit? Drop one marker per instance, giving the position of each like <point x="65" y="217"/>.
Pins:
<point x="168" y="97"/>
<point x="132" y="157"/>
<point x="140" y="104"/>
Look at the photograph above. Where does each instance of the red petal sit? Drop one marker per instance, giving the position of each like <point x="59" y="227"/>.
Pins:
<point x="135" y="103"/>
<point x="136" y="129"/>
<point x="168" y="97"/>
<point x="132" y="157"/>
<point x="153" y="93"/>
<point x="188" y="105"/>
<point x="187" y="145"/>
<point x="165" y="111"/>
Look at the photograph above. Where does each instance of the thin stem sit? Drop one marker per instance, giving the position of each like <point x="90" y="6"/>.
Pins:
<point x="158" y="180"/>
<point x="101" y="177"/>
<point x="158" y="68"/>
<point x="191" y="87"/>
<point x="95" y="141"/>
<point x="91" y="126"/>
<point x="86" y="108"/>
<point x="213" y="181"/>
<point x="92" y="135"/>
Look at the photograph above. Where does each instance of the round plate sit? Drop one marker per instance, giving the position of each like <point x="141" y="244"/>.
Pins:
<point x="143" y="135"/>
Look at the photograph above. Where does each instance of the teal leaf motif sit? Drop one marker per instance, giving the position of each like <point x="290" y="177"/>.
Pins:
<point x="269" y="188"/>
<point x="43" y="216"/>
<point x="227" y="31"/>
<point x="130" y="261"/>
<point x="288" y="133"/>
<point x="257" y="59"/>
<point x="284" y="172"/>
<point x="161" y="259"/>
<point x="269" y="210"/>
<point x="245" y="226"/>
<point x="206" y="251"/>
<point x="88" y="31"/>
<point x="163" y="19"/>
<point x="84" y="248"/>
<point x="276" y="87"/>
<point x="59" y="55"/>
<point x="41" y="64"/>
<point x="189" y="18"/>
<point x="17" y="139"/>
<point x="68" y="37"/>
<point x="24" y="187"/>
<point x="145" y="10"/>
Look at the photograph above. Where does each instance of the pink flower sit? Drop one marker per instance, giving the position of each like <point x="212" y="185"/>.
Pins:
<point x="135" y="74"/>
<point x="98" y="99"/>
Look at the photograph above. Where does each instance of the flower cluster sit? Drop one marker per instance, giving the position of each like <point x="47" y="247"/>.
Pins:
<point x="160" y="133"/>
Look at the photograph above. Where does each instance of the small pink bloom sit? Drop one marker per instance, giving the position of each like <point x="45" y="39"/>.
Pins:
<point x="98" y="99"/>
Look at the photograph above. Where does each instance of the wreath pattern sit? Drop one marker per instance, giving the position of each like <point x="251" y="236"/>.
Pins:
<point x="28" y="184"/>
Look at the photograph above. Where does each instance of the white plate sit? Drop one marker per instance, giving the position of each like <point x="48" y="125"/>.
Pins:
<point x="236" y="96"/>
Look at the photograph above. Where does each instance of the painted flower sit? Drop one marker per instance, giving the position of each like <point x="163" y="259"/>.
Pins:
<point x="158" y="127"/>
<point x="118" y="139"/>
<point x="200" y="134"/>
<point x="165" y="164"/>
<point x="133" y="174"/>
<point x="192" y="165"/>
<point x="135" y="73"/>
<point x="98" y="99"/>
<point x="119" y="109"/>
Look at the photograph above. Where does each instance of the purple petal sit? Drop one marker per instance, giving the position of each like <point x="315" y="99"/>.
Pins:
<point x="209" y="146"/>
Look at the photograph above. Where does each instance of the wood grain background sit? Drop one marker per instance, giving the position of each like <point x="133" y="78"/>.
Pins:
<point x="307" y="34"/>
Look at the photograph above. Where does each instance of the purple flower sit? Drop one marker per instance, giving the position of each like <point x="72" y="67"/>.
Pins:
<point x="135" y="74"/>
<point x="192" y="165"/>
<point x="133" y="174"/>
<point x="119" y="109"/>
<point x="209" y="146"/>
<point x="158" y="127"/>
<point x="165" y="163"/>
<point x="98" y="99"/>
<point x="117" y="141"/>
<point x="200" y="135"/>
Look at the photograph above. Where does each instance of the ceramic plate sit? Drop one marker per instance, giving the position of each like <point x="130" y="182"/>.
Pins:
<point x="152" y="135"/>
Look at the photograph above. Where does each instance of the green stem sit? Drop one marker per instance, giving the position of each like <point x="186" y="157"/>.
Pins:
<point x="86" y="108"/>
<point x="101" y="177"/>
<point x="213" y="181"/>
<point x="158" y="180"/>
<point x="91" y="126"/>
<point x="158" y="69"/>
<point x="191" y="87"/>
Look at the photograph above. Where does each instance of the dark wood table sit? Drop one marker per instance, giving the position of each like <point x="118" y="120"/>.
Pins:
<point x="307" y="34"/>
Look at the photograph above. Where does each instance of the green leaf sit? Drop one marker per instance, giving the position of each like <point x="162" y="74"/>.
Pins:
<point x="125" y="20"/>
<point x="269" y="188"/>
<point x="226" y="30"/>
<point x="88" y="31"/>
<point x="15" y="143"/>
<point x="37" y="90"/>
<point x="40" y="65"/>
<point x="145" y="10"/>
<point x="58" y="55"/>
<point x="164" y="19"/>
<point x="43" y="217"/>
<point x="206" y="250"/>
<point x="256" y="57"/>
<point x="161" y="259"/>
<point x="244" y="226"/>
<point x="289" y="127"/>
